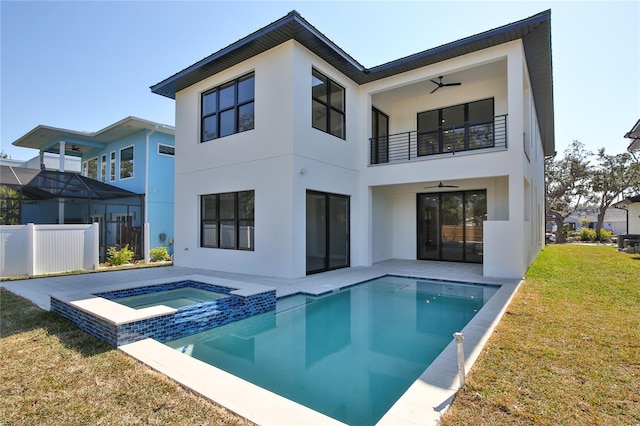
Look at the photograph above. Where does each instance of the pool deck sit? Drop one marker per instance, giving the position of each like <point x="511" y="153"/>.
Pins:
<point x="422" y="404"/>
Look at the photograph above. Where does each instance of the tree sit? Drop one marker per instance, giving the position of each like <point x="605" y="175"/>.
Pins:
<point x="611" y="176"/>
<point x="567" y="183"/>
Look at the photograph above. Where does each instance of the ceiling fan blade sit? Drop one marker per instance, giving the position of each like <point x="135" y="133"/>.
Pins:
<point x="452" y="84"/>
<point x="436" y="83"/>
<point x="435" y="89"/>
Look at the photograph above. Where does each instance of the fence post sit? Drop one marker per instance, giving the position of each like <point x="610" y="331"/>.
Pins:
<point x="95" y="252"/>
<point x="31" y="249"/>
<point x="460" y="349"/>
<point x="147" y="243"/>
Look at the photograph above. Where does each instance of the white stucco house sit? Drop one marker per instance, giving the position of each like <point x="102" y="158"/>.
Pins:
<point x="295" y="159"/>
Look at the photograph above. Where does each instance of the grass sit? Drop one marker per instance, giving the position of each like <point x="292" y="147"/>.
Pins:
<point x="568" y="348"/>
<point x="55" y="374"/>
<point x="566" y="352"/>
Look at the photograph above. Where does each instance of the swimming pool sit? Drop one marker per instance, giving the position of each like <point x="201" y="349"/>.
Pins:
<point x="350" y="354"/>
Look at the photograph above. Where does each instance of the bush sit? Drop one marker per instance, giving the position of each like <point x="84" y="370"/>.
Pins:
<point x="159" y="254"/>
<point x="119" y="257"/>
<point x="587" y="234"/>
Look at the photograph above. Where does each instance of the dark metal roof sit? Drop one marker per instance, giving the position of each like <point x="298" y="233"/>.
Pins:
<point x="634" y="135"/>
<point x="534" y="31"/>
<point x="46" y="184"/>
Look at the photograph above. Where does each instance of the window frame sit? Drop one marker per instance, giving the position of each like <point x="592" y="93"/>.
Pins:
<point x="234" y="107"/>
<point x="328" y="105"/>
<point x="441" y="130"/>
<point x="103" y="167"/>
<point x="112" y="166"/>
<point x="237" y="220"/>
<point x="133" y="156"/>
<point x="173" y="148"/>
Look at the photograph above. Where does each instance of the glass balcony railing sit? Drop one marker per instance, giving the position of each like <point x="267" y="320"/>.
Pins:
<point x="468" y="136"/>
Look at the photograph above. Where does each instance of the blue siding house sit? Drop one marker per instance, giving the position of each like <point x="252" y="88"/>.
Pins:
<point x="135" y="158"/>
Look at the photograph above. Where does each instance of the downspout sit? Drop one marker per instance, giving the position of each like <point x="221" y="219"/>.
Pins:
<point x="146" y="236"/>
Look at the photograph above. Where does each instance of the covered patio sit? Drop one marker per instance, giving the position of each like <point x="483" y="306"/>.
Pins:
<point x="54" y="197"/>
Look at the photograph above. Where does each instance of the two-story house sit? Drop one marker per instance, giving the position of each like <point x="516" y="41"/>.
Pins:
<point x="127" y="181"/>
<point x="296" y="159"/>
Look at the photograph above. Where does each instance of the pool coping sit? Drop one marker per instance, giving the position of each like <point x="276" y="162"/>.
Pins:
<point x="422" y="404"/>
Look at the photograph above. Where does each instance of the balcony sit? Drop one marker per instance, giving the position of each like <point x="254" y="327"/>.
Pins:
<point x="413" y="145"/>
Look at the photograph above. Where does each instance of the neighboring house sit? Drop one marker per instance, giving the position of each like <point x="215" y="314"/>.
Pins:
<point x="133" y="156"/>
<point x="45" y="161"/>
<point x="632" y="207"/>
<point x="615" y="220"/>
<point x="634" y="135"/>
<point x="295" y="159"/>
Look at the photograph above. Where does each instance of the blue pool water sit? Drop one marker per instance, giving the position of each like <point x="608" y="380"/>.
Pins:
<point x="176" y="298"/>
<point x="350" y="354"/>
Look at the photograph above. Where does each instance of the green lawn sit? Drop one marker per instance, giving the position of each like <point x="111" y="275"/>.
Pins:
<point x="566" y="352"/>
<point x="52" y="373"/>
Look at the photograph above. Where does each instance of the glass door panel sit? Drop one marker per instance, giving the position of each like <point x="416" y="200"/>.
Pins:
<point x="338" y="232"/>
<point x="316" y="232"/>
<point x="475" y="215"/>
<point x="327" y="231"/>
<point x="428" y="226"/>
<point x="452" y="226"/>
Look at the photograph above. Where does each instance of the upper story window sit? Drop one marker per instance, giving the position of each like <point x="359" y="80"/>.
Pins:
<point x="228" y="108"/>
<point x="112" y="166"/>
<point x="126" y="162"/>
<point x="103" y="168"/>
<point x="327" y="105"/>
<point x="166" y="150"/>
<point x="90" y="168"/>
<point x="457" y="128"/>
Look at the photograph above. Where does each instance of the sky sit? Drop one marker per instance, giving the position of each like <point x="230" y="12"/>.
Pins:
<point x="83" y="65"/>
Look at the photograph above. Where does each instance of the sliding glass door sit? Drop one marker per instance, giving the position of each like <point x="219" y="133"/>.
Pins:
<point x="327" y="231"/>
<point x="450" y="226"/>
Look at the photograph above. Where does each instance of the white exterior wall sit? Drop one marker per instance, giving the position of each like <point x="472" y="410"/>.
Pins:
<point x="634" y="218"/>
<point x="284" y="156"/>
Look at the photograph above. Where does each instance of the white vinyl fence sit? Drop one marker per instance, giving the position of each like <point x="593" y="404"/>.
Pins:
<point x="43" y="249"/>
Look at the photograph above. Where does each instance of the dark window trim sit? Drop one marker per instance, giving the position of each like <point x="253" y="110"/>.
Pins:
<point x="218" y="221"/>
<point x="440" y="130"/>
<point x="329" y="107"/>
<point x="235" y="107"/>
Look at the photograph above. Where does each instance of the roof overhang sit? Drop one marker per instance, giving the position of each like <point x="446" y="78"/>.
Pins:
<point x="535" y="33"/>
<point x="634" y="135"/>
<point x="47" y="138"/>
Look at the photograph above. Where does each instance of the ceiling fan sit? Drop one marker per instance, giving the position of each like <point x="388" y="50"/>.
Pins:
<point x="75" y="148"/>
<point x="441" y="185"/>
<point x="441" y="84"/>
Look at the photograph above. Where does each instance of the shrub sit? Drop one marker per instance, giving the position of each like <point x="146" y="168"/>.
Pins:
<point x="159" y="254"/>
<point x="119" y="257"/>
<point x="587" y="234"/>
<point x="604" y="235"/>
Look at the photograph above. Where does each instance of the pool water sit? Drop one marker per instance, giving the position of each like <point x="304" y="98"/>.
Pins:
<point x="176" y="298"/>
<point x="350" y="354"/>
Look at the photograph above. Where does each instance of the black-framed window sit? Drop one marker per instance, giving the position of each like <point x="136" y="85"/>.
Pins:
<point x="228" y="109"/>
<point x="327" y="105"/>
<point x="456" y="128"/>
<point x="166" y="150"/>
<point x="227" y="220"/>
